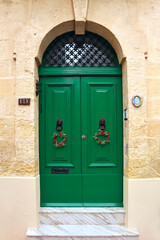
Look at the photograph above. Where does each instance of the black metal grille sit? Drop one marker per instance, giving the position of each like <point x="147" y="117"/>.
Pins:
<point x="89" y="50"/>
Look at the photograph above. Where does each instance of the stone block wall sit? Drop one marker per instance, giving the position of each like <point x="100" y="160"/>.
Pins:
<point x="26" y="29"/>
<point x="28" y="26"/>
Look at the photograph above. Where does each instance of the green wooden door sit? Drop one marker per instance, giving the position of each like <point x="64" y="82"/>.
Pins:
<point x="95" y="172"/>
<point x="102" y="164"/>
<point x="60" y="99"/>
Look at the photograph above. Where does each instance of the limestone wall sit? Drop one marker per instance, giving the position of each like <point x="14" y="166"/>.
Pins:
<point x="28" y="26"/>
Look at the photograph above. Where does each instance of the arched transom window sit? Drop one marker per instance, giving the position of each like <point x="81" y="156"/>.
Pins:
<point x="89" y="50"/>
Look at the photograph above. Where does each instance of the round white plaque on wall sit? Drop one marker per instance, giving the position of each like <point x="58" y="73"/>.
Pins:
<point x="137" y="101"/>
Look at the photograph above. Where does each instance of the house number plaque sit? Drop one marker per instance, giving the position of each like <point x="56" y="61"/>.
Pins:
<point x="24" y="101"/>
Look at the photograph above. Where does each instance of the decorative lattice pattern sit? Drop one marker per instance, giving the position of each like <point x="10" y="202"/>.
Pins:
<point x="70" y="50"/>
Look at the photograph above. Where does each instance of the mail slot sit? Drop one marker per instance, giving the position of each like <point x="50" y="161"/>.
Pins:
<point x="59" y="170"/>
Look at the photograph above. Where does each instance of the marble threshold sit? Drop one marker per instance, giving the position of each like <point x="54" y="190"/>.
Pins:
<point x="82" y="210"/>
<point x="84" y="216"/>
<point x="105" y="232"/>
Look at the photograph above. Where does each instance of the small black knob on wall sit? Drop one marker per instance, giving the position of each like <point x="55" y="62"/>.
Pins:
<point x="59" y="125"/>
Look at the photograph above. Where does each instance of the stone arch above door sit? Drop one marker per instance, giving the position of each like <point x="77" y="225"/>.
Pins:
<point x="70" y="26"/>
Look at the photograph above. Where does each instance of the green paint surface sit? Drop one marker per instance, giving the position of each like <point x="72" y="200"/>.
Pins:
<point x="95" y="171"/>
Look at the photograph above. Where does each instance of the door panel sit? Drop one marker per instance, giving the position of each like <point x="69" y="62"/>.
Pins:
<point x="95" y="171"/>
<point x="102" y="190"/>
<point x="60" y="99"/>
<point x="102" y="164"/>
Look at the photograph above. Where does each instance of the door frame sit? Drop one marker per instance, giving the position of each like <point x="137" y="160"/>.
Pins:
<point x="109" y="71"/>
<point x="83" y="71"/>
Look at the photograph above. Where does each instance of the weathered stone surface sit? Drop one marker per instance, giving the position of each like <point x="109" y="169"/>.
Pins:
<point x="132" y="28"/>
<point x="153" y="128"/>
<point x="80" y="14"/>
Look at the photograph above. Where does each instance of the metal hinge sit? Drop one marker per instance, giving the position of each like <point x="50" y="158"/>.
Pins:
<point x="37" y="87"/>
<point x="40" y="108"/>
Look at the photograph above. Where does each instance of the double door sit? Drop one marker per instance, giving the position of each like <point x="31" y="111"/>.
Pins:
<point x="83" y="172"/>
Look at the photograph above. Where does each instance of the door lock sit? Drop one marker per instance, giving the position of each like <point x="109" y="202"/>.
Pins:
<point x="83" y="137"/>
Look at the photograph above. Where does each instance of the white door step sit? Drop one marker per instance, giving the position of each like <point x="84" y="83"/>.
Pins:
<point x="77" y="232"/>
<point x="78" y="216"/>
